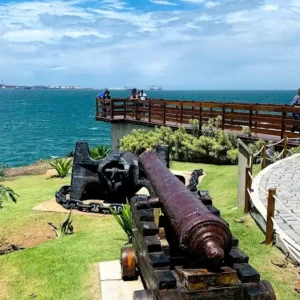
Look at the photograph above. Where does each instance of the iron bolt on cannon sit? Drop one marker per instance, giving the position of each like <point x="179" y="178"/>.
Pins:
<point x="189" y="251"/>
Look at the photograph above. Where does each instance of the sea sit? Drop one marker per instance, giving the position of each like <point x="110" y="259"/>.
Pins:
<point x="40" y="124"/>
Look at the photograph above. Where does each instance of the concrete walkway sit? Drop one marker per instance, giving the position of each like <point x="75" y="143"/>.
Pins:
<point x="283" y="175"/>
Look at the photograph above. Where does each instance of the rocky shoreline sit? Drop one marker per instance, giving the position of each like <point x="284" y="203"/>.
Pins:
<point x="37" y="168"/>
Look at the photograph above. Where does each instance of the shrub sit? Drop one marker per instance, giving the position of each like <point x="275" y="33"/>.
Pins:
<point x="211" y="128"/>
<point x="215" y="145"/>
<point x="70" y="154"/>
<point x="62" y="166"/>
<point x="246" y="130"/>
<point x="124" y="220"/>
<point x="65" y="228"/>
<point x="195" y="127"/>
<point x="294" y="150"/>
<point x="99" y="152"/>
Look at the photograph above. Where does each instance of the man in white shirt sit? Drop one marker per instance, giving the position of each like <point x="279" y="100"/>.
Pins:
<point x="296" y="102"/>
<point x="143" y="96"/>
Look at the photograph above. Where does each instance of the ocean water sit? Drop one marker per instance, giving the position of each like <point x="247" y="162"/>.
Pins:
<point x="38" y="124"/>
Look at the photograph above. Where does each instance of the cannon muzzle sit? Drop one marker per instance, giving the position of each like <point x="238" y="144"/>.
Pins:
<point x="200" y="233"/>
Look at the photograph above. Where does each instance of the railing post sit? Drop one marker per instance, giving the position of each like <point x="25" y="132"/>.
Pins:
<point x="200" y="118"/>
<point x="125" y="109"/>
<point x="270" y="216"/>
<point x="248" y="187"/>
<point x="164" y="112"/>
<point x="97" y="109"/>
<point x="149" y="111"/>
<point x="223" y="115"/>
<point x="285" y="145"/>
<point x="111" y="108"/>
<point x="282" y="121"/>
<point x="264" y="157"/>
<point x="181" y="112"/>
<point x="135" y="105"/>
<point x="193" y="110"/>
<point x="250" y="117"/>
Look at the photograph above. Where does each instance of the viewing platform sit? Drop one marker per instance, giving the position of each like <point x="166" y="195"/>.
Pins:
<point x="265" y="121"/>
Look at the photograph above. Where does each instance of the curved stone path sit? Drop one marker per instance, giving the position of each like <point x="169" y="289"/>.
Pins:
<point x="283" y="175"/>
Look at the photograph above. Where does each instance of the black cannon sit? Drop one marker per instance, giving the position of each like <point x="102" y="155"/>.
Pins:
<point x="111" y="180"/>
<point x="188" y="252"/>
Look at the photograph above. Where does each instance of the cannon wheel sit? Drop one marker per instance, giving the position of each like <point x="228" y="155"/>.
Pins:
<point x="128" y="263"/>
<point x="268" y="288"/>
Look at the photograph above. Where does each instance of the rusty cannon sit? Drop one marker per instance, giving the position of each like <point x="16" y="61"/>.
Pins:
<point x="182" y="248"/>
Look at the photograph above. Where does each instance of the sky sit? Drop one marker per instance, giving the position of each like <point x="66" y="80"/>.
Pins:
<point x="179" y="44"/>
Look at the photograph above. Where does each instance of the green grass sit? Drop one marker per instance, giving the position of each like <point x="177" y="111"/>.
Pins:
<point x="60" y="268"/>
<point x="65" y="268"/>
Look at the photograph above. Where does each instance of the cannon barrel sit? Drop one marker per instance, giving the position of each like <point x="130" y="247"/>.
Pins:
<point x="200" y="232"/>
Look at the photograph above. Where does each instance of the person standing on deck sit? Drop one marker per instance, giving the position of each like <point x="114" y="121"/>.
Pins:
<point x="101" y="95"/>
<point x="143" y="96"/>
<point x="296" y="102"/>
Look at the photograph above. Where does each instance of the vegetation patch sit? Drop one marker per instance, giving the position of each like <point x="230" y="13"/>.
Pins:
<point x="214" y="145"/>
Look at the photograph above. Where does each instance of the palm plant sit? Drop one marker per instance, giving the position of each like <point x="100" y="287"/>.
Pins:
<point x="7" y="193"/>
<point x="62" y="166"/>
<point x="124" y="220"/>
<point x="99" y="152"/>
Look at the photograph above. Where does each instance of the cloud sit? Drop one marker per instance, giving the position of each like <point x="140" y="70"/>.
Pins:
<point x="163" y="2"/>
<point x="193" y="1"/>
<point x="270" y="7"/>
<point x="223" y="44"/>
<point x="211" y="4"/>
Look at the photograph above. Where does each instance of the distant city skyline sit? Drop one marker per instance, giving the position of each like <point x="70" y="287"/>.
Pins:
<point x="179" y="44"/>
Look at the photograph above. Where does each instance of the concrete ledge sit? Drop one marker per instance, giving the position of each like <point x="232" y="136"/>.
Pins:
<point x="112" y="285"/>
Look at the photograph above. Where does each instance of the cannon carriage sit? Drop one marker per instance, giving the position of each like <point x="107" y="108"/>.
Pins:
<point x="188" y="251"/>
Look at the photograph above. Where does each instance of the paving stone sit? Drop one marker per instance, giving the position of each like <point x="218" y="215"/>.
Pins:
<point x="284" y="226"/>
<point x="285" y="177"/>
<point x="112" y="286"/>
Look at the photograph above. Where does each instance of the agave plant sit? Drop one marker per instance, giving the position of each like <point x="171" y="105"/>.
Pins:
<point x="7" y="193"/>
<point x="99" y="152"/>
<point x="124" y="220"/>
<point x="65" y="228"/>
<point x="62" y="166"/>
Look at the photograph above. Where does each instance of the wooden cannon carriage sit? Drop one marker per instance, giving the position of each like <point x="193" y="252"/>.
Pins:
<point x="187" y="252"/>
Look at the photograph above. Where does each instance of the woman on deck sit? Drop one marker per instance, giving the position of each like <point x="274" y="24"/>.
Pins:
<point x="296" y="102"/>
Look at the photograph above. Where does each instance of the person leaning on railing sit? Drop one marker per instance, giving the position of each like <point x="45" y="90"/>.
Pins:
<point x="105" y="95"/>
<point x="296" y="116"/>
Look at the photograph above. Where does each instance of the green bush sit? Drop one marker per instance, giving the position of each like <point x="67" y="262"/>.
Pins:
<point x="99" y="152"/>
<point x="62" y="166"/>
<point x="294" y="150"/>
<point x="214" y="145"/>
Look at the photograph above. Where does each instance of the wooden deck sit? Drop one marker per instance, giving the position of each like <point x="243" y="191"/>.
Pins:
<point x="266" y="121"/>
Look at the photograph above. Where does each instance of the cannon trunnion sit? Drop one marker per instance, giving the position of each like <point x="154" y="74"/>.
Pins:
<point x="188" y="252"/>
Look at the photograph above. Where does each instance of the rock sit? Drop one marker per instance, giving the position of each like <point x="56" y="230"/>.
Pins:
<point x="51" y="173"/>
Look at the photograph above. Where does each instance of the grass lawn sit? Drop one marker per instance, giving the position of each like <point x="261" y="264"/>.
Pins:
<point x="66" y="268"/>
